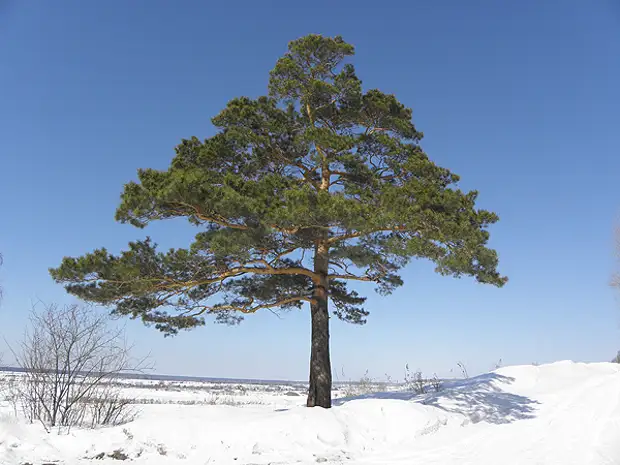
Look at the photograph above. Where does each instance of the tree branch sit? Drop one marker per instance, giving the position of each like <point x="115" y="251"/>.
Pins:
<point x="350" y="276"/>
<point x="353" y="235"/>
<point x="282" y="254"/>
<point x="211" y="219"/>
<point x="168" y="283"/>
<point x="305" y="171"/>
<point x="248" y="308"/>
<point x="379" y="172"/>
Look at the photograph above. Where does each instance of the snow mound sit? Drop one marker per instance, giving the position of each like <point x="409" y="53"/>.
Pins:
<point x="562" y="413"/>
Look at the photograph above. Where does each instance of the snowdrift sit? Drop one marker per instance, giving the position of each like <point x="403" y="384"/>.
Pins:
<point x="562" y="413"/>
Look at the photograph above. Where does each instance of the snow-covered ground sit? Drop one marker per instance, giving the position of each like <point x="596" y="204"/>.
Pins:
<point x="563" y="413"/>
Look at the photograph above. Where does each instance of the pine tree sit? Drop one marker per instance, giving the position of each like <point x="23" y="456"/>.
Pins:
<point x="299" y="193"/>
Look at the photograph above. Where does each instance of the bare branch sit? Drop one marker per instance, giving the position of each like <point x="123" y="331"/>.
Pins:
<point x="70" y="356"/>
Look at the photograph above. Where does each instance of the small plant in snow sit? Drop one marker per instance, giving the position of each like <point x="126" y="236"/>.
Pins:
<point x="13" y="395"/>
<point x="117" y="454"/>
<point x="414" y="382"/>
<point x="436" y="383"/>
<point x="463" y="369"/>
<point x="161" y="449"/>
<point x="108" y="407"/>
<point x="365" y="385"/>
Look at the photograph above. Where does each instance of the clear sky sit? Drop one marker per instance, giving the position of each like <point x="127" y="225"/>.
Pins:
<point x="519" y="98"/>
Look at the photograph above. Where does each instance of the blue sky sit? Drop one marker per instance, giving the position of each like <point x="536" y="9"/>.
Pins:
<point x="518" y="98"/>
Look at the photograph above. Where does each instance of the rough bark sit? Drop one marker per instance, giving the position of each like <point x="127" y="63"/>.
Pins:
<point x="320" y="390"/>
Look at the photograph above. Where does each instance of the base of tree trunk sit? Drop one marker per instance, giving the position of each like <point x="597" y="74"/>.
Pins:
<point x="320" y="390"/>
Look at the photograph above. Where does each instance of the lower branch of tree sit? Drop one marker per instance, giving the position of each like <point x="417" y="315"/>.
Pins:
<point x="247" y="308"/>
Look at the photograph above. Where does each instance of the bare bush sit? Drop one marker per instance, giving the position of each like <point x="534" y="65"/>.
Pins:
<point x="414" y="381"/>
<point x="107" y="406"/>
<point x="12" y="394"/>
<point x="71" y="357"/>
<point x="436" y="383"/>
<point x="365" y="385"/>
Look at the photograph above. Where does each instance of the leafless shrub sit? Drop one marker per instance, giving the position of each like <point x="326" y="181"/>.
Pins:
<point x="414" y="381"/>
<point x="107" y="407"/>
<point x="365" y="385"/>
<point x="70" y="356"/>
<point x="436" y="383"/>
<point x="11" y="394"/>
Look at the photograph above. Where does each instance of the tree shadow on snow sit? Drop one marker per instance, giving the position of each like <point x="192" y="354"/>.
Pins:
<point x="479" y="399"/>
<point x="483" y="399"/>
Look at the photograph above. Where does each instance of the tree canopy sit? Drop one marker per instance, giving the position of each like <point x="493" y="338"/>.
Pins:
<point x="316" y="185"/>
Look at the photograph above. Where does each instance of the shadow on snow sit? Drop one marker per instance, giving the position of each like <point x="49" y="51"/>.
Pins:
<point x="479" y="399"/>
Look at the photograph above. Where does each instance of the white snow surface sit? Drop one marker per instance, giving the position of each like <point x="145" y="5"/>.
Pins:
<point x="563" y="413"/>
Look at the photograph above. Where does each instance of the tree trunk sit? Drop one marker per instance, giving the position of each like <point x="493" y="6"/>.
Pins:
<point x="320" y="391"/>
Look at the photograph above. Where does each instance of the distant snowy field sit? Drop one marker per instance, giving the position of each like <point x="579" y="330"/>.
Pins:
<point x="563" y="413"/>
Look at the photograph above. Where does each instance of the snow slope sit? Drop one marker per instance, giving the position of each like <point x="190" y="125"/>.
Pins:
<point x="563" y="413"/>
